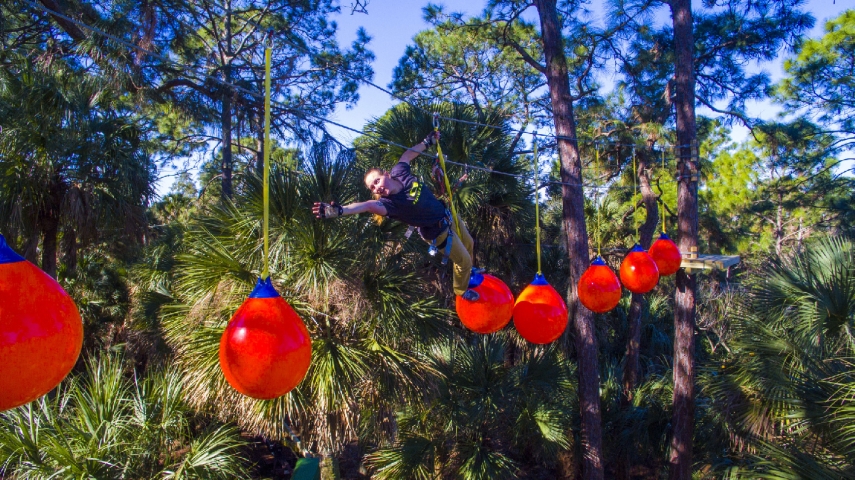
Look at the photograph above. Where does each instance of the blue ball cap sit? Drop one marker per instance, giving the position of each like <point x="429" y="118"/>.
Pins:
<point x="637" y="248"/>
<point x="264" y="289"/>
<point x="599" y="262"/>
<point x="7" y="255"/>
<point x="539" y="280"/>
<point x="475" y="279"/>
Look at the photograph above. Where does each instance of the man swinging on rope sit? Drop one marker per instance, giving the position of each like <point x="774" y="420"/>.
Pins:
<point x="404" y="198"/>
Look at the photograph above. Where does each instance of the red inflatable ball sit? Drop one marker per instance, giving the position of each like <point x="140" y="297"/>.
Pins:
<point x="41" y="333"/>
<point x="599" y="288"/>
<point x="492" y="311"/>
<point x="666" y="255"/>
<point x="266" y="349"/>
<point x="638" y="272"/>
<point x="540" y="314"/>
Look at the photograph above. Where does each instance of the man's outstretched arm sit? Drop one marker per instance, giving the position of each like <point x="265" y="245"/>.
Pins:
<point x="331" y="210"/>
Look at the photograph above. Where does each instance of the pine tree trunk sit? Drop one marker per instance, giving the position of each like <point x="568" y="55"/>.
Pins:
<point x="70" y="246"/>
<point x="50" y="230"/>
<point x="577" y="237"/>
<point x="49" y="224"/>
<point x="683" y="410"/>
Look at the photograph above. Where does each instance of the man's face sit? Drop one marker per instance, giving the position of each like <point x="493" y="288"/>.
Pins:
<point x="379" y="183"/>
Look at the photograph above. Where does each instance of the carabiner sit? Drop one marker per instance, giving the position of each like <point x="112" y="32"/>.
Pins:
<point x="435" y="120"/>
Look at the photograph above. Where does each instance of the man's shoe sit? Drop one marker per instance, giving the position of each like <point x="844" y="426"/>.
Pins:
<point x="477" y="271"/>
<point x="471" y="295"/>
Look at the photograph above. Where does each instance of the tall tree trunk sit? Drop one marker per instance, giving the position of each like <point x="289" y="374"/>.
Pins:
<point x="683" y="410"/>
<point x="49" y="224"/>
<point x="70" y="247"/>
<point x="226" y="114"/>
<point x="633" y="342"/>
<point x="573" y="202"/>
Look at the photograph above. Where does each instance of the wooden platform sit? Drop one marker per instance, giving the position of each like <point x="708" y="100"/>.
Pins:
<point x="709" y="262"/>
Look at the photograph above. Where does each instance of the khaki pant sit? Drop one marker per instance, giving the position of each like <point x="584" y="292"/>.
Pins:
<point x="461" y="255"/>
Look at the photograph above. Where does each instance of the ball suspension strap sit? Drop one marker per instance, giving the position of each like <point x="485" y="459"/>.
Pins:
<point x="266" y="188"/>
<point x="597" y="199"/>
<point x="635" y="193"/>
<point x="662" y="200"/>
<point x="536" y="199"/>
<point x="444" y="173"/>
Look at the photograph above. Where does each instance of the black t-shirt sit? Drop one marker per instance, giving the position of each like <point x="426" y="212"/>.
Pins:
<point x="414" y="204"/>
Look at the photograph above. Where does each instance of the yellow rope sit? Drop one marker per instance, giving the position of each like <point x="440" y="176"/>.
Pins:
<point x="266" y="190"/>
<point x="445" y="177"/>
<point x="536" y="202"/>
<point x="597" y="201"/>
<point x="661" y="200"/>
<point x="634" y="191"/>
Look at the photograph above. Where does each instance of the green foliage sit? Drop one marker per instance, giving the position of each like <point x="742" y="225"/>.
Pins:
<point x="101" y="424"/>
<point x="819" y="77"/>
<point x="70" y="151"/>
<point x="357" y="302"/>
<point x="393" y="375"/>
<point x="464" y="63"/>
<point x="786" y="387"/>
<point x="776" y="191"/>
<point x="482" y="418"/>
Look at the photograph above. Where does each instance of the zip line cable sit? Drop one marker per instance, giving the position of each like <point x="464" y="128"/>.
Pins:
<point x="303" y="113"/>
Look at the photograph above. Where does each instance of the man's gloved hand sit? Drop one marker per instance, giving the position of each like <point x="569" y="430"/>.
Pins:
<point x="431" y="139"/>
<point x="327" y="210"/>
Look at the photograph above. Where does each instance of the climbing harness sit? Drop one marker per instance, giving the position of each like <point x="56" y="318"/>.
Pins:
<point x="433" y="249"/>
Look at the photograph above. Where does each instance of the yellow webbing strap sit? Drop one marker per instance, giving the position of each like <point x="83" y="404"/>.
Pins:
<point x="266" y="188"/>
<point x="445" y="175"/>
<point x="661" y="200"/>
<point x="536" y="200"/>
<point x="597" y="200"/>
<point x="634" y="192"/>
